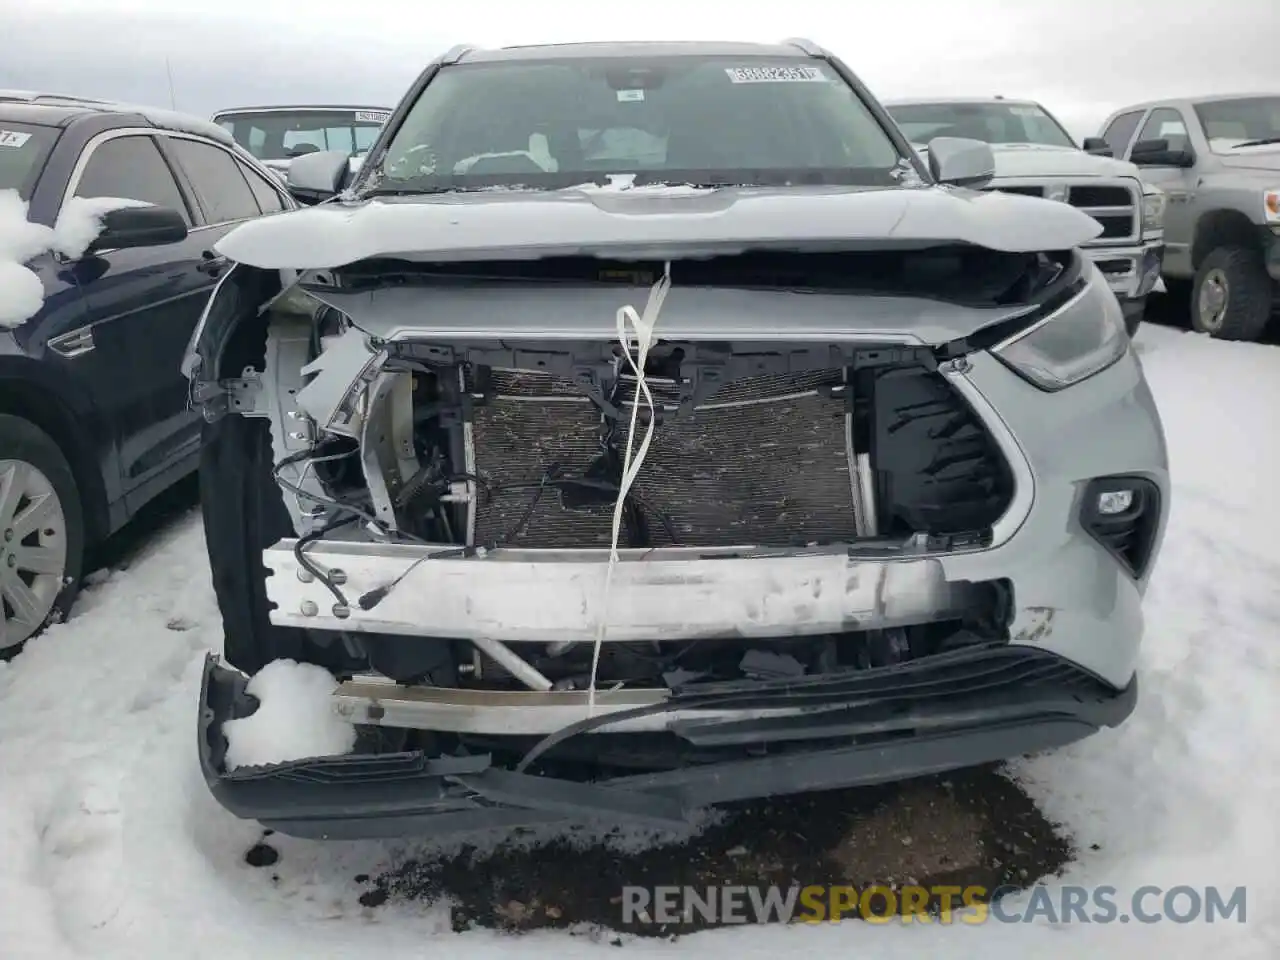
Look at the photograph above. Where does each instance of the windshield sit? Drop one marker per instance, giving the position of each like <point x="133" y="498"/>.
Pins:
<point x="23" y="148"/>
<point x="285" y="134"/>
<point x="990" y="122"/>
<point x="681" y="120"/>
<point x="1231" y="124"/>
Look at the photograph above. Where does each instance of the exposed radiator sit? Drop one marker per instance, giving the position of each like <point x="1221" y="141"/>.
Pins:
<point x="530" y="422"/>
<point x="762" y="460"/>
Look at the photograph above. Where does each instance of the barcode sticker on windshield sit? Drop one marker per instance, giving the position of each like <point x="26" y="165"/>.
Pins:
<point x="1024" y="111"/>
<point x="371" y="116"/>
<point x="775" y="75"/>
<point x="12" y="138"/>
<point x="630" y="96"/>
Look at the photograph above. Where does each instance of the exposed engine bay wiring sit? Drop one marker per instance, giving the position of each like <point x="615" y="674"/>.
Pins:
<point x="643" y="327"/>
<point x="635" y="331"/>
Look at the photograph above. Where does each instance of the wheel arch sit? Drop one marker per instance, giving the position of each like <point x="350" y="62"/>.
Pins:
<point x="1222" y="228"/>
<point x="39" y="402"/>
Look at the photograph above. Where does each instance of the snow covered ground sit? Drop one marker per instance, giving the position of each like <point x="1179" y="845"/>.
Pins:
<point x="110" y="845"/>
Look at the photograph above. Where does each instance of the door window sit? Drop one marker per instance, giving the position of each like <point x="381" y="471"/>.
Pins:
<point x="131" y="168"/>
<point x="1166" y="123"/>
<point x="267" y="197"/>
<point x="218" y="182"/>
<point x="1120" y="131"/>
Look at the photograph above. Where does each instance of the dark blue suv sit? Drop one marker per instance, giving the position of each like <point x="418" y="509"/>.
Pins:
<point x="94" y="412"/>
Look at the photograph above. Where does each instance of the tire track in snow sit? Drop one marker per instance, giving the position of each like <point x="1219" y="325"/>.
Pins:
<point x="80" y="707"/>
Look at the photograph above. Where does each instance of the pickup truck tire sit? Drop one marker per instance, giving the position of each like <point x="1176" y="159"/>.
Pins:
<point x="244" y="513"/>
<point x="1232" y="295"/>
<point x="33" y="469"/>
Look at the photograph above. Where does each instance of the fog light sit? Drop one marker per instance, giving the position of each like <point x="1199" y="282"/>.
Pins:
<point x="1123" y="514"/>
<point x="1114" y="501"/>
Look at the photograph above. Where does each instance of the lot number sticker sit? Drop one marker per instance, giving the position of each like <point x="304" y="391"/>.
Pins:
<point x="371" y="116"/>
<point x="12" y="138"/>
<point x="775" y="75"/>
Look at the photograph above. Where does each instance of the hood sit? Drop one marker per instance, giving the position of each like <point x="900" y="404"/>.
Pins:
<point x="1263" y="159"/>
<point x="1040" y="160"/>
<point x="649" y="223"/>
<point x="1043" y="160"/>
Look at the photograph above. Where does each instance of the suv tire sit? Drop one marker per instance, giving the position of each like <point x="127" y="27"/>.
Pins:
<point x="33" y="466"/>
<point x="1232" y="295"/>
<point x="244" y="513"/>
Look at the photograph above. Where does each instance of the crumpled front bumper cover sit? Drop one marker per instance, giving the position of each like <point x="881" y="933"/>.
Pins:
<point x="950" y="711"/>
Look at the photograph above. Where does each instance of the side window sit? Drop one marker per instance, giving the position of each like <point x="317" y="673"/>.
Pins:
<point x="1166" y="123"/>
<point x="217" y="179"/>
<point x="131" y="168"/>
<point x="1120" y="131"/>
<point x="268" y="199"/>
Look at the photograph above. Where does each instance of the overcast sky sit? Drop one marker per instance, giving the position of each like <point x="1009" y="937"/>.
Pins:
<point x="1081" y="57"/>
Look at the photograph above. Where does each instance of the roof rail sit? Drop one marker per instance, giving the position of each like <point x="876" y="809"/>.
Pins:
<point x="457" y="53"/>
<point x="805" y="46"/>
<point x="31" y="96"/>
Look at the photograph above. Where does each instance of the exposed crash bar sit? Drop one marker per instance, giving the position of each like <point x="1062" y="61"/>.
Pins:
<point x="550" y="596"/>
<point x="376" y="700"/>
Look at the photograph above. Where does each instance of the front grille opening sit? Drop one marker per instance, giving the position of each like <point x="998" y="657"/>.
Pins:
<point x="1123" y="514"/>
<point x="1115" y="227"/>
<point x="1115" y="267"/>
<point x="1021" y="191"/>
<point x="1085" y="195"/>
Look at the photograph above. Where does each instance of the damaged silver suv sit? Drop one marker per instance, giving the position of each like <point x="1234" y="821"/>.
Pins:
<point x="647" y="426"/>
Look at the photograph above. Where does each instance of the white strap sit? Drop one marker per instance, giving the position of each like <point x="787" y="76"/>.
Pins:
<point x="642" y="326"/>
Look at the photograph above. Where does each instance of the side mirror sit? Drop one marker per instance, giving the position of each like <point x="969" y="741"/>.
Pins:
<point x="961" y="162"/>
<point x="139" y="227"/>
<point x="317" y="176"/>
<point x="1098" y="147"/>
<point x="1156" y="153"/>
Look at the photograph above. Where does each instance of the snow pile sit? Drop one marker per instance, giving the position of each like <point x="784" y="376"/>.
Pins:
<point x="21" y="290"/>
<point x="81" y="220"/>
<point x="295" y="719"/>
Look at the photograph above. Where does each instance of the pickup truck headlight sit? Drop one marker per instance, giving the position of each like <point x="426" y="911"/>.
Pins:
<point x="1271" y="206"/>
<point x="1082" y="337"/>
<point x="1153" y="212"/>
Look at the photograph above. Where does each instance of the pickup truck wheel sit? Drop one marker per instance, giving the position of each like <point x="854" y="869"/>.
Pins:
<point x="1232" y="295"/>
<point x="42" y="535"/>
<point x="244" y="513"/>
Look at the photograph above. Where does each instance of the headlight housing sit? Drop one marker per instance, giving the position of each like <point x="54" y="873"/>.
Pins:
<point x="1153" y="204"/>
<point x="1084" y="336"/>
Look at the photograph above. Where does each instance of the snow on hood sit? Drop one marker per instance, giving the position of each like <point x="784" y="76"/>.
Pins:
<point x="21" y="290"/>
<point x="515" y="224"/>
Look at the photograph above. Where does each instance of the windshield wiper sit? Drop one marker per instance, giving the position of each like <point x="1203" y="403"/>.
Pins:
<point x="417" y="191"/>
<point x="1257" y="143"/>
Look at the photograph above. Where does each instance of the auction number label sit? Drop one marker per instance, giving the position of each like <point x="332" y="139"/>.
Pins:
<point x="371" y="116"/>
<point x="12" y="138"/>
<point x="775" y="75"/>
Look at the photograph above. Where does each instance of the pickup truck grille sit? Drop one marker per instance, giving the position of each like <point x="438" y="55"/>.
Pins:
<point x="1116" y="204"/>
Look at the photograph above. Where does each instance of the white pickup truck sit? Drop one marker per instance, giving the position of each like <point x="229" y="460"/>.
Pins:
<point x="1036" y="156"/>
